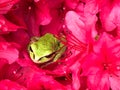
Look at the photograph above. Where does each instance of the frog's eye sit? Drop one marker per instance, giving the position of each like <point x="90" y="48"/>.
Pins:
<point x="31" y="53"/>
<point x="30" y="49"/>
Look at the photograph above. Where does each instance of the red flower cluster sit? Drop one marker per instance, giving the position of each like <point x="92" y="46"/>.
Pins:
<point x="92" y="38"/>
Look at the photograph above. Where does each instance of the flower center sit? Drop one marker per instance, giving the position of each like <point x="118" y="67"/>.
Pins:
<point x="106" y="66"/>
<point x="111" y="69"/>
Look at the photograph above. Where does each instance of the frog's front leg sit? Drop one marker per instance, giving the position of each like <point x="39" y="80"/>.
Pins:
<point x="59" y="53"/>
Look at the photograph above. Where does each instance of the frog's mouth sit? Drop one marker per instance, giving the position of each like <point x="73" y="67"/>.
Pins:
<point x="47" y="58"/>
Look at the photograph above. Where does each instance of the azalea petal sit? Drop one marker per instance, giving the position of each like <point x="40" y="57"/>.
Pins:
<point x="75" y="76"/>
<point x="3" y="67"/>
<point x="72" y="4"/>
<point x="8" y="52"/>
<point x="6" y="5"/>
<point x="57" y="10"/>
<point x="104" y="40"/>
<point x="6" y="26"/>
<point x="75" y="24"/>
<point x="44" y="82"/>
<point x="20" y="37"/>
<point x="10" y="85"/>
<point x="26" y="76"/>
<point x="91" y="64"/>
<point x="21" y="75"/>
<point x="98" y="81"/>
<point x="114" y="82"/>
<point x="109" y="14"/>
<point x="42" y="13"/>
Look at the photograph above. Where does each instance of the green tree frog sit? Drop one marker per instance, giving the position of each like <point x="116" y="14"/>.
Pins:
<point x="45" y="48"/>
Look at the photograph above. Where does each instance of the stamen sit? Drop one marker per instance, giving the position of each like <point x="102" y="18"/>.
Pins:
<point x="29" y="8"/>
<point x="74" y="42"/>
<point x="109" y="68"/>
<point x="64" y="8"/>
<point x="106" y="67"/>
<point x="68" y="76"/>
<point x="70" y="42"/>
<point x="14" y="72"/>
<point x="115" y="74"/>
<point x="63" y="26"/>
<point x="118" y="68"/>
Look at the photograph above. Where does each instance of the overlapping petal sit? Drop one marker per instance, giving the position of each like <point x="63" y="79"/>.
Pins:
<point x="8" y="52"/>
<point x="10" y="85"/>
<point x="7" y="26"/>
<point x="6" y="5"/>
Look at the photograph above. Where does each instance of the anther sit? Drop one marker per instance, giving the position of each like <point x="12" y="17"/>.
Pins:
<point x="64" y="8"/>
<point x="14" y="72"/>
<point x="29" y="8"/>
<point x="118" y="67"/>
<point x="63" y="26"/>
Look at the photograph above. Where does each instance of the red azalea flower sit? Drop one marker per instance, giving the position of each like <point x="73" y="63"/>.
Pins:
<point x="58" y="11"/>
<point x="92" y="57"/>
<point x="33" y="13"/>
<point x="102" y="67"/>
<point x="79" y="37"/>
<point x="78" y="43"/>
<point x="109" y="16"/>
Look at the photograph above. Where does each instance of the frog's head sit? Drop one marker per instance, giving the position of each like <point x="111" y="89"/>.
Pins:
<point x="43" y="49"/>
<point x="40" y="55"/>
